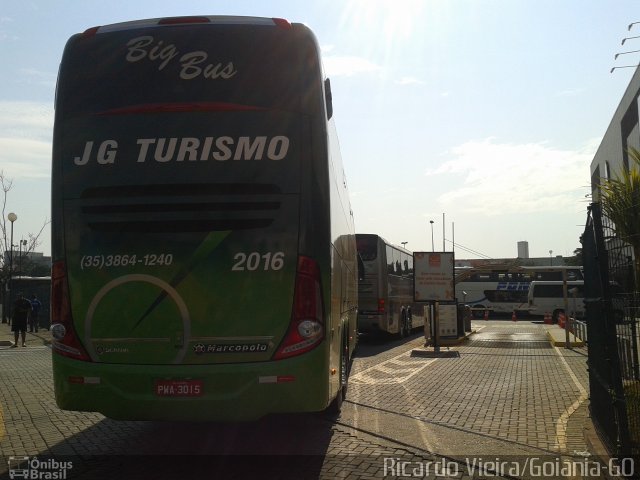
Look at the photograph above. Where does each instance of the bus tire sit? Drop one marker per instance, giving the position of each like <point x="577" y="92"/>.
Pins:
<point x="402" y="328"/>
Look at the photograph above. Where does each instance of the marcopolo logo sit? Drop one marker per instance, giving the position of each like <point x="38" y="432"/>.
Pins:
<point x="259" y="347"/>
<point x="37" y="469"/>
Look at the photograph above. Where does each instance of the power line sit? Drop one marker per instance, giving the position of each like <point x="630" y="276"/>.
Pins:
<point x="469" y="250"/>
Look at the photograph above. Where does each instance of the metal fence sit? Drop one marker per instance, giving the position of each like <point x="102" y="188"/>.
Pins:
<point x="613" y="316"/>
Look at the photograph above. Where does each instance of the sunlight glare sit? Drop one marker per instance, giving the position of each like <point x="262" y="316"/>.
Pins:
<point x="395" y="19"/>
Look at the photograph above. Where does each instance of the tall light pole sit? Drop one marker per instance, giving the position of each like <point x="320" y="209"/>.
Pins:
<point x="433" y="249"/>
<point x="550" y="258"/>
<point x="12" y="217"/>
<point x="404" y="244"/>
<point x="22" y="242"/>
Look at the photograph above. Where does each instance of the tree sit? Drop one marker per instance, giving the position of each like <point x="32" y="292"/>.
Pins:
<point x="620" y="198"/>
<point x="576" y="259"/>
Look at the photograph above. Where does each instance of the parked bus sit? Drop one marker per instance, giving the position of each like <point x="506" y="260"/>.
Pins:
<point x="205" y="262"/>
<point x="504" y="288"/>
<point x="549" y="297"/>
<point x="385" y="291"/>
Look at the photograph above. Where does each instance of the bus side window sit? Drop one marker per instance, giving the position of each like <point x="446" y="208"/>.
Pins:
<point x="390" y="265"/>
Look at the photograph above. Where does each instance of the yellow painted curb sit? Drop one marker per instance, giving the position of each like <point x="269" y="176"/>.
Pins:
<point x="557" y="342"/>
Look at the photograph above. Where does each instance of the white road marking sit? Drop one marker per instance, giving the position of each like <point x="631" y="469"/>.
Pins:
<point x="402" y="367"/>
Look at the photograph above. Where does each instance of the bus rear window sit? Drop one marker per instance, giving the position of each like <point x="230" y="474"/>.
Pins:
<point x="367" y="247"/>
<point x="157" y="66"/>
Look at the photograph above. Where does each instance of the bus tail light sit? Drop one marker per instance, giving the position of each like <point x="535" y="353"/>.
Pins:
<point x="306" y="329"/>
<point x="381" y="305"/>
<point x="282" y="23"/>
<point x="64" y="339"/>
<point x="183" y="20"/>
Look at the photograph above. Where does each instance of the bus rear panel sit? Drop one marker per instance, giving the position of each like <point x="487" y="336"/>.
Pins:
<point x="192" y="222"/>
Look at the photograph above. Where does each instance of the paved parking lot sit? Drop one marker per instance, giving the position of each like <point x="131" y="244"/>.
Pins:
<point x="509" y="394"/>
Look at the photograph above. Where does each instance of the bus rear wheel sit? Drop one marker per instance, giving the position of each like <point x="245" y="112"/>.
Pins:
<point x="403" y="327"/>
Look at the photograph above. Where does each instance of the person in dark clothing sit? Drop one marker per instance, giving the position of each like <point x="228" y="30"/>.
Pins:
<point x="20" y="316"/>
<point x="35" y="311"/>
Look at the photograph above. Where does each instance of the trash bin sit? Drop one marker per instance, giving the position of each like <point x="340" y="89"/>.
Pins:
<point x="467" y="318"/>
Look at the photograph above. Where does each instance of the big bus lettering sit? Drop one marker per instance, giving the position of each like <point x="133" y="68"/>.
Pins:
<point x="106" y="153"/>
<point x="138" y="52"/>
<point x="190" y="62"/>
<point x="191" y="70"/>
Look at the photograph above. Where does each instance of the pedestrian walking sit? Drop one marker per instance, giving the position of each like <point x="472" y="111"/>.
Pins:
<point x="35" y="311"/>
<point x="19" y="317"/>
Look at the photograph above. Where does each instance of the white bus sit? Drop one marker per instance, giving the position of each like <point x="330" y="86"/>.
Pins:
<point x="548" y="297"/>
<point x="504" y="288"/>
<point x="385" y="291"/>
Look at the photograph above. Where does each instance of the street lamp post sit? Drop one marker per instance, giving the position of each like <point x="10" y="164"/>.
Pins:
<point x="12" y="217"/>
<point x="615" y="57"/>
<point x="551" y="258"/>
<point x="433" y="249"/>
<point x="22" y="242"/>
<point x="628" y="38"/>
<point x="404" y="244"/>
<point x="624" y="66"/>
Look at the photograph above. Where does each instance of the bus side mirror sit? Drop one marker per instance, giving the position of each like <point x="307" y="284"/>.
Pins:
<point x="328" y="97"/>
<point x="360" y="268"/>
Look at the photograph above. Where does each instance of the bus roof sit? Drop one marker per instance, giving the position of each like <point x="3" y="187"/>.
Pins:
<point x="212" y="19"/>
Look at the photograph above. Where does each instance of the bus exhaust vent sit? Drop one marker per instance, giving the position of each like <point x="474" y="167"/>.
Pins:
<point x="180" y="208"/>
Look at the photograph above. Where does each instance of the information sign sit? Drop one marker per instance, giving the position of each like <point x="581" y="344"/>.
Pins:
<point x="448" y="320"/>
<point x="433" y="278"/>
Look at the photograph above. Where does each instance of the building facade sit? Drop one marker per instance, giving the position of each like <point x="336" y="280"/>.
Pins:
<point x="623" y="132"/>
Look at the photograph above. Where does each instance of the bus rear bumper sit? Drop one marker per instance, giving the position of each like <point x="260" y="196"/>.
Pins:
<point x="227" y="392"/>
<point x="369" y="323"/>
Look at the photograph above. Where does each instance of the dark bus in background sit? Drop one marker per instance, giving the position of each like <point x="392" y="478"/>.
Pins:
<point x="385" y="291"/>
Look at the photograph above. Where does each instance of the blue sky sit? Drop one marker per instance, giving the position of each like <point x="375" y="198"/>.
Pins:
<point x="487" y="111"/>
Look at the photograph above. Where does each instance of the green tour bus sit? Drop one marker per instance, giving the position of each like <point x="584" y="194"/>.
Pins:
<point x="204" y="254"/>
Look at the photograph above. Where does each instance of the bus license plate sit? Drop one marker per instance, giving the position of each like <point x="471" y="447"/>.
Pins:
<point x="179" y="388"/>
